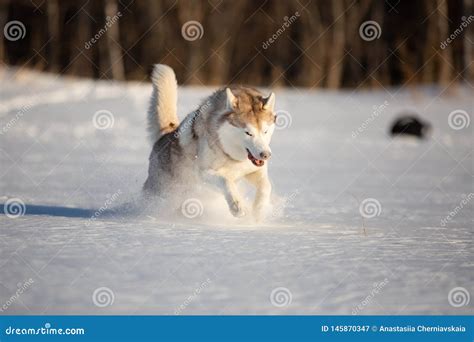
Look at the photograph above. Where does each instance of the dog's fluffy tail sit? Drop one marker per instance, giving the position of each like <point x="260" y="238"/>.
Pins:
<point x="162" y="117"/>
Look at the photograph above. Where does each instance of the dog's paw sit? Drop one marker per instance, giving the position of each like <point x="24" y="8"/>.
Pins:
<point x="237" y="209"/>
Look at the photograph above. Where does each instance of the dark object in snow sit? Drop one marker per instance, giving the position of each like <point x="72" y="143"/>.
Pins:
<point x="411" y="125"/>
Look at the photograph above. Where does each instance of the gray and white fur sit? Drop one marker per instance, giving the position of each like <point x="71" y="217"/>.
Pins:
<point x="225" y="140"/>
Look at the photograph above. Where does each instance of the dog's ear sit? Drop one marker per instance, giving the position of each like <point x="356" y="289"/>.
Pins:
<point x="269" y="102"/>
<point x="231" y="100"/>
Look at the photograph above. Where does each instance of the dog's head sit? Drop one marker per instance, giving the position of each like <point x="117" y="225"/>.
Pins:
<point x="247" y="127"/>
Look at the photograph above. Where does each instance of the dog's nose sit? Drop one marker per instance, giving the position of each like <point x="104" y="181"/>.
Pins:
<point x="265" y="155"/>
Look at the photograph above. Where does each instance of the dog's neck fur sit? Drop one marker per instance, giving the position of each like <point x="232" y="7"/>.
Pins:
<point x="214" y="114"/>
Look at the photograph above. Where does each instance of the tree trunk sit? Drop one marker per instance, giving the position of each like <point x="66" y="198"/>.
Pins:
<point x="223" y="28"/>
<point x="336" y="52"/>
<point x="432" y="40"/>
<point x="3" y="21"/>
<point x="443" y="27"/>
<point x="188" y="13"/>
<point x="113" y="41"/>
<point x="81" y="58"/>
<point x="54" y="34"/>
<point x="313" y="60"/>
<point x="354" y="18"/>
<point x="469" y="43"/>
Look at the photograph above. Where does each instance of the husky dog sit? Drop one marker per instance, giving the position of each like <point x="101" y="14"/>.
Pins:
<point x="225" y="140"/>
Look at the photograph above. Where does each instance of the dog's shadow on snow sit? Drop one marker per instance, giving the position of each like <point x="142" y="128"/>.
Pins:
<point x="122" y="212"/>
<point x="49" y="210"/>
<point x="113" y="212"/>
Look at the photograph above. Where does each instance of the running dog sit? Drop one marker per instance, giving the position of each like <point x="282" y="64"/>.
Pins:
<point x="226" y="139"/>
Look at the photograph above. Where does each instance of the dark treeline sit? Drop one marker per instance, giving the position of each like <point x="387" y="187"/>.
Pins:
<point x="287" y="43"/>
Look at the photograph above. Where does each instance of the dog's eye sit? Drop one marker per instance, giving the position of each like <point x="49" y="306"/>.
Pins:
<point x="249" y="134"/>
<point x="265" y="132"/>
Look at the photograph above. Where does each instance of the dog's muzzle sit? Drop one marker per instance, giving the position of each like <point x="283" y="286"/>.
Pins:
<point x="256" y="161"/>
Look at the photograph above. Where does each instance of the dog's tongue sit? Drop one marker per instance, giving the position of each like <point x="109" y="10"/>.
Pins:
<point x="255" y="161"/>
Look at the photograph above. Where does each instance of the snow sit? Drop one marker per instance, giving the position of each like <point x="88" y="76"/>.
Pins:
<point x="316" y="244"/>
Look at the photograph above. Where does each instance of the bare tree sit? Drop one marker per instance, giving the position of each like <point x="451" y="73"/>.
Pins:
<point x="113" y="41"/>
<point x="312" y="63"/>
<point x="3" y="21"/>
<point x="469" y="42"/>
<point x="432" y="40"/>
<point x="53" y="12"/>
<point x="320" y="48"/>
<point x="223" y="28"/>
<point x="189" y="13"/>
<point x="336" y="53"/>
<point x="81" y="60"/>
<point x="354" y="17"/>
<point x="445" y="60"/>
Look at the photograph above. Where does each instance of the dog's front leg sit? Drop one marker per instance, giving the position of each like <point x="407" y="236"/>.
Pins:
<point x="263" y="191"/>
<point x="228" y="188"/>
